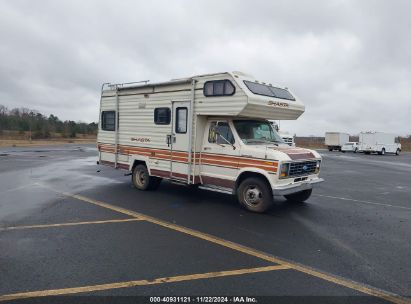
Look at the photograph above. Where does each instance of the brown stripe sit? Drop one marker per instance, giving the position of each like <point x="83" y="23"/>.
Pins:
<point x="226" y="183"/>
<point x="207" y="159"/>
<point x="112" y="164"/>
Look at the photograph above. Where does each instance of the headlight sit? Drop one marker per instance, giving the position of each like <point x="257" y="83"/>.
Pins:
<point x="317" y="167"/>
<point x="284" y="169"/>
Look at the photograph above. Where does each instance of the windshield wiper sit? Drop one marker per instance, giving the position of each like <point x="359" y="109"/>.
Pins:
<point x="261" y="140"/>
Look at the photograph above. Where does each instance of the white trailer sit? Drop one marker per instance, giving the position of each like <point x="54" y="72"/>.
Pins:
<point x="210" y="131"/>
<point x="379" y="142"/>
<point x="335" y="140"/>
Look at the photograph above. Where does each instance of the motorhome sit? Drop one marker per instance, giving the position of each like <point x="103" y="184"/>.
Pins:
<point x="209" y="131"/>
<point x="379" y="142"/>
<point x="335" y="140"/>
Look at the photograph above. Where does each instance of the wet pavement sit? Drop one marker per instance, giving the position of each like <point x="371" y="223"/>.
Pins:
<point x="179" y="241"/>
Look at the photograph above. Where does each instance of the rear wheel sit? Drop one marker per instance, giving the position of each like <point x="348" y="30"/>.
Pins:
<point x="330" y="149"/>
<point x="355" y="150"/>
<point x="397" y="152"/>
<point x="255" y="194"/>
<point x="142" y="179"/>
<point x="382" y="152"/>
<point x="299" y="197"/>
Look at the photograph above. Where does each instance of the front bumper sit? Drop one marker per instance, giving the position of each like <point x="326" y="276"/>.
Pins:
<point x="296" y="187"/>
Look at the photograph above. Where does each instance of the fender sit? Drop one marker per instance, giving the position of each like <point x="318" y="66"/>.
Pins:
<point x="256" y="170"/>
<point x="142" y="158"/>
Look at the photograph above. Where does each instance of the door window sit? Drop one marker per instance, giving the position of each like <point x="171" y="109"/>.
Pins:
<point x="181" y="120"/>
<point x="220" y="133"/>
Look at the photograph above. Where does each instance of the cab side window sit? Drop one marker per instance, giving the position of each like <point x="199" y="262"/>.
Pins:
<point x="220" y="133"/>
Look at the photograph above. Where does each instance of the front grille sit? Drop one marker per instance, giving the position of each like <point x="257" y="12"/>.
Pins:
<point x="302" y="168"/>
<point x="288" y="140"/>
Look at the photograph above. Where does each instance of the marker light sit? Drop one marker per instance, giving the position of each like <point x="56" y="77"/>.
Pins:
<point x="284" y="169"/>
<point x="317" y="167"/>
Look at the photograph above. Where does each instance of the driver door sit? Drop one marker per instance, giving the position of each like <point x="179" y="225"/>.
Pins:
<point x="219" y="162"/>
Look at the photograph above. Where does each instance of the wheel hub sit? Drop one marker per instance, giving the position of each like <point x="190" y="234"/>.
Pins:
<point x="252" y="195"/>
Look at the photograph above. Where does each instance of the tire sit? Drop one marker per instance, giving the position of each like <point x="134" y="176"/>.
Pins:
<point x="382" y="152"/>
<point x="299" y="197"/>
<point x="255" y="194"/>
<point x="397" y="152"/>
<point x="142" y="180"/>
<point x="342" y="151"/>
<point x="330" y="149"/>
<point x="355" y="150"/>
<point x="368" y="153"/>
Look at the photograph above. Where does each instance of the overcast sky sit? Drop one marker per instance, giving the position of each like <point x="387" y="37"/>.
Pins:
<point x="348" y="61"/>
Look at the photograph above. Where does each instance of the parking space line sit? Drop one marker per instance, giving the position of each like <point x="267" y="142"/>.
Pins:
<point x="370" y="290"/>
<point x="69" y="224"/>
<point x="174" y="279"/>
<point x="360" y="201"/>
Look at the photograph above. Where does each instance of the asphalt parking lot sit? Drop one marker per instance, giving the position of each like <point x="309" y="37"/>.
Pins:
<point x="71" y="227"/>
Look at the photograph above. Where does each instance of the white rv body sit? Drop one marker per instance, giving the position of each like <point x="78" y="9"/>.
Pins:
<point x="189" y="157"/>
<point x="335" y="140"/>
<point x="378" y="142"/>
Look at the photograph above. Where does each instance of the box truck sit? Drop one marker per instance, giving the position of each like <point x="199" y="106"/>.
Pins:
<point x="335" y="140"/>
<point x="379" y="142"/>
<point x="209" y="131"/>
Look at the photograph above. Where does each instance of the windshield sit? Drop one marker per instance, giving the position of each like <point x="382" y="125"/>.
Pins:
<point x="256" y="132"/>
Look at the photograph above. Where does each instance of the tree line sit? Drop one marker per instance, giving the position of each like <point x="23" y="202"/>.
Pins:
<point x="41" y="126"/>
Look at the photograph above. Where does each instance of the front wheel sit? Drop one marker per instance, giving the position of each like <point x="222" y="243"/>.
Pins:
<point x="355" y="150"/>
<point x="382" y="152"/>
<point x="299" y="197"/>
<point x="397" y="152"/>
<point x="255" y="194"/>
<point x="142" y="179"/>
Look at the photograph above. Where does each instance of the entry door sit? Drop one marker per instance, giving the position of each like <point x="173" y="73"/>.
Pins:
<point x="180" y="140"/>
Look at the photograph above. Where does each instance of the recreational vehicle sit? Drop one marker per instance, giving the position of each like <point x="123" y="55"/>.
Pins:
<point x="210" y="131"/>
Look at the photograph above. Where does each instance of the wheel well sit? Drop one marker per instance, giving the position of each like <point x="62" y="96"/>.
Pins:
<point x="138" y="162"/>
<point x="248" y="174"/>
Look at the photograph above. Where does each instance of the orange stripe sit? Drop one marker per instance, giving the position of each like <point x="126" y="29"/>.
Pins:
<point x="206" y="158"/>
<point x="239" y="159"/>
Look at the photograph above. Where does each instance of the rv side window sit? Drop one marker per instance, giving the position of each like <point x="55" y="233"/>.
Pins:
<point x="162" y="116"/>
<point x="218" y="88"/>
<point x="108" y="120"/>
<point x="181" y="120"/>
<point x="220" y="133"/>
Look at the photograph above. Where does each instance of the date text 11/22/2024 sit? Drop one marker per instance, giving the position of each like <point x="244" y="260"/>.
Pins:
<point x="205" y="299"/>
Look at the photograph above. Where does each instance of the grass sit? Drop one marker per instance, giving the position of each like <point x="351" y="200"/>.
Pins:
<point x="44" y="142"/>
